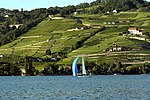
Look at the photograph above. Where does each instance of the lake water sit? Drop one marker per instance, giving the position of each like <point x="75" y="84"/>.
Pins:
<point x="136" y="87"/>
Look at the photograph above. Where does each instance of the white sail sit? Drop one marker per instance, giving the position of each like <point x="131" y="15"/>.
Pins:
<point x="75" y="69"/>
<point x="83" y="67"/>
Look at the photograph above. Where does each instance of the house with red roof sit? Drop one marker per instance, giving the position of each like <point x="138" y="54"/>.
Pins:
<point x="135" y="31"/>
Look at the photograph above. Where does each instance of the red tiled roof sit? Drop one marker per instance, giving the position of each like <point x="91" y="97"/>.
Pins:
<point x="132" y="29"/>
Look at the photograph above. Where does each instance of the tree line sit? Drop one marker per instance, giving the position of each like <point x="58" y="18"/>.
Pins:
<point x="102" y="6"/>
<point x="99" y="67"/>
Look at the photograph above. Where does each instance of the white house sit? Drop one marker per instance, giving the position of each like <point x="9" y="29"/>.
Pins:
<point x="135" y="31"/>
<point x="75" y="13"/>
<point x="52" y="17"/>
<point x="6" y="16"/>
<point x="74" y="29"/>
<point x="1" y="56"/>
<point x="115" y="11"/>
<point x="115" y="48"/>
<point x="113" y="23"/>
<point x="107" y="12"/>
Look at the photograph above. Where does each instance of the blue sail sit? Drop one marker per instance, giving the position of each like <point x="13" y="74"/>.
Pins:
<point x="83" y="67"/>
<point x="74" y="67"/>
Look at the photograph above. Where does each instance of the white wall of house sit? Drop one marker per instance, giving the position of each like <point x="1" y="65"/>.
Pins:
<point x="116" y="48"/>
<point x="135" y="32"/>
<point x="114" y="11"/>
<point x="1" y="55"/>
<point x="119" y="48"/>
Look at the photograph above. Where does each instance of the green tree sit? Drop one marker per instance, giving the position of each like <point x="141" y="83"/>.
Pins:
<point x="48" y="52"/>
<point x="30" y="70"/>
<point x="55" y="69"/>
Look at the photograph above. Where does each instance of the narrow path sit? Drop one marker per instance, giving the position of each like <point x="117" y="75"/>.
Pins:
<point x="140" y="38"/>
<point x="115" y="54"/>
<point x="133" y="63"/>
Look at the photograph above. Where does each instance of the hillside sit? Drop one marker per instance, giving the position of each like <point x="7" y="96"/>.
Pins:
<point x="53" y="35"/>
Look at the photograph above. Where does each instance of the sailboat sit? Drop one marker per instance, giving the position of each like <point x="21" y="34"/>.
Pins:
<point x="75" y="69"/>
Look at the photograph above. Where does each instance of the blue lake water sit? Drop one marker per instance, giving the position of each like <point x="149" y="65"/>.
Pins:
<point x="121" y="87"/>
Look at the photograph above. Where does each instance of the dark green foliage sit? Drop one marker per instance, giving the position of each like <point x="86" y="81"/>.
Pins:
<point x="30" y="70"/>
<point x="28" y="19"/>
<point x="67" y="10"/>
<point x="62" y="70"/>
<point x="81" y="42"/>
<point x="112" y="68"/>
<point x="55" y="69"/>
<point x="47" y="70"/>
<point x="51" y="70"/>
<point x="102" y="6"/>
<point x="83" y="5"/>
<point x="146" y="33"/>
<point x="9" y="70"/>
<point x="94" y="42"/>
<point x="1" y="19"/>
<point x="48" y="52"/>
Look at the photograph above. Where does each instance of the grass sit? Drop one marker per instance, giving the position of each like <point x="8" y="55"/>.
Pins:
<point x="143" y="14"/>
<point x="39" y="37"/>
<point x="128" y="15"/>
<point x="9" y="45"/>
<point x="146" y="23"/>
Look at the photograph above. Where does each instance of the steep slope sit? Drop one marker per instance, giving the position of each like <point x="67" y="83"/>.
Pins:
<point x="49" y="34"/>
<point x="69" y="37"/>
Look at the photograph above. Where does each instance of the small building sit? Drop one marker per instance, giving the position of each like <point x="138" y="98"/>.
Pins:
<point x="23" y="72"/>
<point x="6" y="16"/>
<point x="113" y="23"/>
<point x="74" y="29"/>
<point x="109" y="22"/>
<point x="1" y="55"/>
<point x="82" y="28"/>
<point x="79" y="21"/>
<point x="55" y="18"/>
<point x="107" y="12"/>
<point x="15" y="26"/>
<point x="135" y="31"/>
<point x="104" y="22"/>
<point x="115" y="47"/>
<point x="75" y="13"/>
<point x="115" y="11"/>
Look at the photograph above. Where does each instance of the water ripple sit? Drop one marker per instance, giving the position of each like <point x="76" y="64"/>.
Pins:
<point x="71" y="88"/>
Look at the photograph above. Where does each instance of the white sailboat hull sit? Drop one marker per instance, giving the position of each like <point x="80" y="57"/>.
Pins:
<point x="88" y="75"/>
<point x="84" y="76"/>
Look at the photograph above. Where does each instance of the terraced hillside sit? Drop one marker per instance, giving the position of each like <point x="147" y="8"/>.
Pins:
<point x="87" y="38"/>
<point x="49" y="34"/>
<point x="116" y="25"/>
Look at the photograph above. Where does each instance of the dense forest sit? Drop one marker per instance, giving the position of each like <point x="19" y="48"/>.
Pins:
<point x="102" y="6"/>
